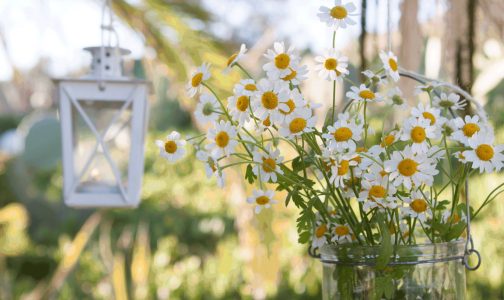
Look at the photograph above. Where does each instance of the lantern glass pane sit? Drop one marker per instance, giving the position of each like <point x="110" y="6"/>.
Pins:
<point x="96" y="164"/>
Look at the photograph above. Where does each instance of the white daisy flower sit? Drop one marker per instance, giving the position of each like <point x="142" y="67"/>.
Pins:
<point x="262" y="199"/>
<point x="332" y="65"/>
<point x="212" y="168"/>
<point x="454" y="218"/>
<point x="418" y="131"/>
<point x="222" y="139"/>
<point x="239" y="108"/>
<point x="246" y="87"/>
<point x="466" y="128"/>
<point x="427" y="87"/>
<point x="319" y="238"/>
<point x="418" y="206"/>
<point x="430" y="113"/>
<point x="396" y="99"/>
<point x="298" y="123"/>
<point x="268" y="102"/>
<point x="460" y="156"/>
<point x="267" y="164"/>
<point x="451" y="101"/>
<point x="343" y="134"/>
<point x="173" y="148"/>
<point x="295" y="104"/>
<point x="377" y="194"/>
<point x="339" y="15"/>
<point x="376" y="171"/>
<point x="340" y="171"/>
<point x="235" y="58"/>
<point x="341" y="233"/>
<point x="363" y="93"/>
<point x="207" y="110"/>
<point x="298" y="74"/>
<point x="389" y="139"/>
<point x="197" y="78"/>
<point x="389" y="61"/>
<point x="280" y="61"/>
<point x="408" y="168"/>
<point x="484" y="155"/>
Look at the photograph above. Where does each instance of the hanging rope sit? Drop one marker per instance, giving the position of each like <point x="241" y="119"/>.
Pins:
<point x="389" y="28"/>
<point x="107" y="27"/>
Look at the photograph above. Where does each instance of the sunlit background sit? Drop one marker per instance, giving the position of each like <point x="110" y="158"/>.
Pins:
<point x="189" y="239"/>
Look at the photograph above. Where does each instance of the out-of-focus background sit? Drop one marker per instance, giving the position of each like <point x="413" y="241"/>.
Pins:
<point x="189" y="239"/>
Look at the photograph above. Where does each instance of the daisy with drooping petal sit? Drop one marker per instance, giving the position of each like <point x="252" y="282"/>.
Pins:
<point x="418" y="131"/>
<point x="267" y="164"/>
<point x="338" y="15"/>
<point x="235" y="58"/>
<point x="484" y="155"/>
<point x="343" y="133"/>
<point x="396" y="98"/>
<point x="207" y="110"/>
<point x="430" y="113"/>
<point x="363" y="93"/>
<point x="373" y="78"/>
<point x="408" y="168"/>
<point x="246" y="87"/>
<point x="332" y="65"/>
<point x="451" y="101"/>
<point x="239" y="108"/>
<point x="427" y="87"/>
<point x="262" y="199"/>
<point x="222" y="139"/>
<point x="319" y="238"/>
<point x="341" y="233"/>
<point x="268" y="101"/>
<point x="280" y="61"/>
<point x="212" y="167"/>
<point x="295" y="104"/>
<point x="466" y="128"/>
<point x="298" y="123"/>
<point x="418" y="206"/>
<point x="389" y="61"/>
<point x="201" y="74"/>
<point x="173" y="148"/>
<point x="340" y="171"/>
<point x="298" y="74"/>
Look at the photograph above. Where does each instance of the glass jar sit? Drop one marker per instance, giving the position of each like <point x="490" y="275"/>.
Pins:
<point x="427" y="271"/>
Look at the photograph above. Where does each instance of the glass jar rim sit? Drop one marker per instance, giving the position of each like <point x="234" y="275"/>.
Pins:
<point x="352" y="254"/>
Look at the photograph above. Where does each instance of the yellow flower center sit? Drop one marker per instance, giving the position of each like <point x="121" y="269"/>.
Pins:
<point x="377" y="191"/>
<point x="341" y="230"/>
<point x="267" y="122"/>
<point x="291" y="106"/>
<point x="291" y="76"/>
<point x="418" y="134"/>
<point x="196" y="80"/>
<point x="170" y="147"/>
<point x="339" y="12"/>
<point x="222" y="139"/>
<point x="418" y="205"/>
<point x="297" y="125"/>
<point x="331" y="64"/>
<point x="388" y="140"/>
<point x="269" y="165"/>
<point x="321" y="230"/>
<point x="282" y="61"/>
<point x="383" y="173"/>
<point x="470" y="128"/>
<point x="427" y="115"/>
<point x="342" y="134"/>
<point x="343" y="167"/>
<point x="232" y="58"/>
<point x="242" y="103"/>
<point x="407" y="167"/>
<point x="367" y="95"/>
<point x="269" y="100"/>
<point x="455" y="218"/>
<point x="393" y="64"/>
<point x="262" y="200"/>
<point x="485" y="152"/>
<point x="251" y="87"/>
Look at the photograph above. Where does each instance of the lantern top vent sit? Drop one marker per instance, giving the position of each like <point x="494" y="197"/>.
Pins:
<point x="106" y="62"/>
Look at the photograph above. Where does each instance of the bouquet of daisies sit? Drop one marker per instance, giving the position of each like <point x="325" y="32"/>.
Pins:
<point x="351" y="183"/>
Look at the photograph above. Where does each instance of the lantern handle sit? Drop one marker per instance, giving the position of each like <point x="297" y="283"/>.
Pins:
<point x="107" y="27"/>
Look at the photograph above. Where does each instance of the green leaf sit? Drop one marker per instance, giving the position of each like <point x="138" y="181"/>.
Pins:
<point x="386" y="248"/>
<point x="304" y="237"/>
<point x="249" y="174"/>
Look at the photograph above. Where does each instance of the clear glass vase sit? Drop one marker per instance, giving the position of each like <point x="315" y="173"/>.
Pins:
<point x="428" y="271"/>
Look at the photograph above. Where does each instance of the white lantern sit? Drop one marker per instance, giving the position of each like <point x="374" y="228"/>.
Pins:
<point x="103" y="122"/>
